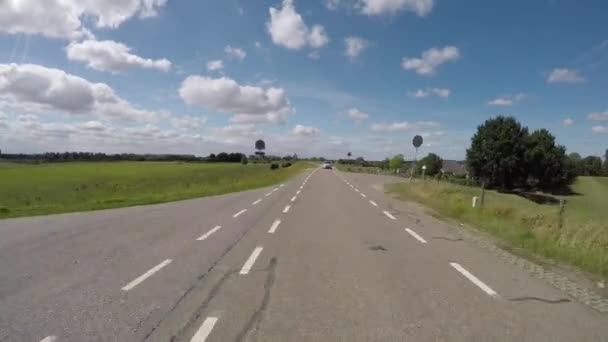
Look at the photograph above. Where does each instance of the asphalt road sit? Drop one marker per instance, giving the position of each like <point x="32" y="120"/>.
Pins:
<point x="325" y="257"/>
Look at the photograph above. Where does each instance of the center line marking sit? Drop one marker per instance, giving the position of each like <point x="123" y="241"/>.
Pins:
<point x="275" y="189"/>
<point x="293" y="199"/>
<point x="286" y="209"/>
<point x="389" y="215"/>
<point x="239" y="213"/>
<point x="249" y="263"/>
<point x="474" y="279"/>
<point x="146" y="275"/>
<point x="364" y="195"/>
<point x="357" y="190"/>
<point x="302" y="187"/>
<point x="256" y="202"/>
<point x="208" y="234"/>
<point x="268" y="194"/>
<point x="373" y="203"/>
<point x="298" y="192"/>
<point x="415" y="235"/>
<point x="274" y="226"/>
<point x="49" y="339"/>
<point x="204" y="330"/>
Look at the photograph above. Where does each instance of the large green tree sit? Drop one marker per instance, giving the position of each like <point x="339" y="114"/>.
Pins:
<point x="497" y="153"/>
<point x="396" y="162"/>
<point x="592" y="166"/>
<point x="546" y="163"/>
<point x="433" y="164"/>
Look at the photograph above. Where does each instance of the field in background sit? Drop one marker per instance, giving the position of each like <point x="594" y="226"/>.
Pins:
<point x="582" y="240"/>
<point x="78" y="186"/>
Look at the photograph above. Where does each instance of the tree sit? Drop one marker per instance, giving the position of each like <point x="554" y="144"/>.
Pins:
<point x="575" y="163"/>
<point x="496" y="155"/>
<point x="546" y="163"/>
<point x="592" y="166"/>
<point x="244" y="159"/>
<point x="396" y="162"/>
<point x="433" y="164"/>
<point x="606" y="163"/>
<point x="260" y="145"/>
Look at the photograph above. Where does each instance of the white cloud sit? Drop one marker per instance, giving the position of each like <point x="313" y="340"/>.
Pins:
<point x="423" y="93"/>
<point x="507" y="100"/>
<point x="3" y="120"/>
<point x="65" y="18"/>
<point x="258" y="45"/>
<point x="380" y="7"/>
<point x="431" y="59"/>
<point x="600" y="129"/>
<point x="315" y="55"/>
<point x="215" y="65"/>
<point x="598" y="116"/>
<point x="402" y="126"/>
<point x="246" y="103"/>
<point x="356" y="115"/>
<point x="567" y="122"/>
<point x="287" y="28"/>
<point x="37" y="88"/>
<point x="331" y="4"/>
<point x="111" y="56"/>
<point x="354" y="47"/>
<point x="305" y="131"/>
<point x="235" y="52"/>
<point x="187" y="123"/>
<point x="563" y="75"/>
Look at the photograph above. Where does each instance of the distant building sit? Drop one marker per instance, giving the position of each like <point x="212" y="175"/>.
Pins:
<point x="454" y="167"/>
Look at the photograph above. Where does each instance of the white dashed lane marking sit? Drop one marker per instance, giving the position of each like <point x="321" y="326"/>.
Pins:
<point x="49" y="339"/>
<point x="249" y="263"/>
<point x="389" y="215"/>
<point x="146" y="275"/>
<point x="209" y="233"/>
<point x="485" y="288"/>
<point x="293" y="199"/>
<point x="268" y="194"/>
<point x="257" y="201"/>
<point x="239" y="213"/>
<point x="364" y="195"/>
<point x="298" y="192"/>
<point x="373" y="203"/>
<point x="274" y="226"/>
<point x="415" y="235"/>
<point x="286" y="209"/>
<point x="205" y="329"/>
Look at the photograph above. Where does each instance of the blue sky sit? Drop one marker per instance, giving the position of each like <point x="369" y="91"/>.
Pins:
<point x="319" y="77"/>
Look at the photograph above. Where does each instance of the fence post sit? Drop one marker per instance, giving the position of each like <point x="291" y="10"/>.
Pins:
<point x="483" y="194"/>
<point x="562" y="209"/>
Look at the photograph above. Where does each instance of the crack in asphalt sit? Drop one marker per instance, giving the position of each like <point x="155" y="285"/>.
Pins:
<point x="254" y="322"/>
<point x="446" y="238"/>
<point x="547" y="301"/>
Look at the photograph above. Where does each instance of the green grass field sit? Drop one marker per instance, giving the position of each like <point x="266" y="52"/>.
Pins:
<point x="27" y="190"/>
<point x="581" y="241"/>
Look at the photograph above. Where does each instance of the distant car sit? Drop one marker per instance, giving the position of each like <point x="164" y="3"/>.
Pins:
<point x="327" y="165"/>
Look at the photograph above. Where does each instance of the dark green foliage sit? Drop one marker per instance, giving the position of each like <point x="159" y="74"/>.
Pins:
<point x="546" y="163"/>
<point x="244" y="160"/>
<point x="592" y="166"/>
<point x="396" y="162"/>
<point x="274" y="166"/>
<point x="433" y="164"/>
<point x="497" y="152"/>
<point x="286" y="164"/>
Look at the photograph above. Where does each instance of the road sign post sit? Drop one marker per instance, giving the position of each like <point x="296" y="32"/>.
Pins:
<point x="417" y="142"/>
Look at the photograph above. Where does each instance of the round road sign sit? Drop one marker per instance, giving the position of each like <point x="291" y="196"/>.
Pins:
<point x="417" y="141"/>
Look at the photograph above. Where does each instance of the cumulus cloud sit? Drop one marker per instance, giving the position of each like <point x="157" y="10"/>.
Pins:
<point x="38" y="88"/>
<point x="64" y="18"/>
<point x="215" y="65"/>
<point x="600" y="129"/>
<point x="3" y="120"/>
<point x="431" y="59"/>
<point x="287" y="28"/>
<point x="598" y="116"/>
<point x="248" y="104"/>
<point x="564" y="75"/>
<point x="507" y="100"/>
<point x="305" y="131"/>
<point x="356" y="115"/>
<point x="112" y="56"/>
<point x="567" y="122"/>
<point x="423" y="93"/>
<point x="402" y="126"/>
<point x="331" y="4"/>
<point x="187" y="123"/>
<point x="381" y="7"/>
<point x="354" y="46"/>
<point x="235" y="52"/>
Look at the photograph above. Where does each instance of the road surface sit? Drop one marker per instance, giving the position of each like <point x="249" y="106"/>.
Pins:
<point x="326" y="256"/>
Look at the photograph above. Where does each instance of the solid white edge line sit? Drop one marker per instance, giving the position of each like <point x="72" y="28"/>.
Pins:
<point x="364" y="195"/>
<point x="293" y="199"/>
<point x="415" y="235"/>
<point x="474" y="279"/>
<point x="249" y="263"/>
<point x="257" y="201"/>
<point x="389" y="215"/>
<point x="49" y="339"/>
<point x="286" y="209"/>
<point x="146" y="275"/>
<point x="239" y="213"/>
<point x="208" y="234"/>
<point x="274" y="226"/>
<point x="373" y="203"/>
<point x="205" y="329"/>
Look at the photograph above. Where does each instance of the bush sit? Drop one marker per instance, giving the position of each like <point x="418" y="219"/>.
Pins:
<point x="244" y="160"/>
<point x="288" y="164"/>
<point x="274" y="166"/>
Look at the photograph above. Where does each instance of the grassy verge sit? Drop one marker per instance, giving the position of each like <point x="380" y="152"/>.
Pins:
<point x="358" y="169"/>
<point x="581" y="241"/>
<point x="27" y="190"/>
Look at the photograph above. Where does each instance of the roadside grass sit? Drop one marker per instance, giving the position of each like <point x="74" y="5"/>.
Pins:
<point x="27" y="190"/>
<point x="581" y="241"/>
<point x="357" y="169"/>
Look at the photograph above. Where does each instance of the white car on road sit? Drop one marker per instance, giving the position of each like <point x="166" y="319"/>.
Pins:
<point x="327" y="165"/>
